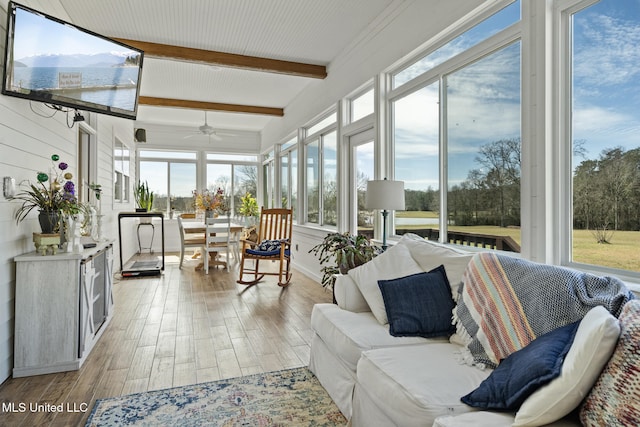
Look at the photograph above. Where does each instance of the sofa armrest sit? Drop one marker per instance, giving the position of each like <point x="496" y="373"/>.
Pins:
<point x="348" y="296"/>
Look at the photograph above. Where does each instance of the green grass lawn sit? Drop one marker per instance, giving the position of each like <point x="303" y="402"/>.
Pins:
<point x="622" y="252"/>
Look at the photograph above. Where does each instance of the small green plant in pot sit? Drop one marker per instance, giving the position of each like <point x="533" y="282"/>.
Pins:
<point x="144" y="197"/>
<point x="249" y="209"/>
<point x="344" y="251"/>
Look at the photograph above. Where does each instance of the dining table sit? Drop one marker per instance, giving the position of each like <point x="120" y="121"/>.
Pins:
<point x="199" y="227"/>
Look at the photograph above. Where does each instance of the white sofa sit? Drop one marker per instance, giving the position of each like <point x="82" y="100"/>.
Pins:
<point x="380" y="380"/>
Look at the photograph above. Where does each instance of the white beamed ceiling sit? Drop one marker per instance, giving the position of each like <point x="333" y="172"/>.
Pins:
<point x="306" y="31"/>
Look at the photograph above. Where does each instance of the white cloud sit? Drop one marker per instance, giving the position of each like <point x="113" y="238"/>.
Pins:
<point x="605" y="128"/>
<point x="483" y="106"/>
<point x="606" y="49"/>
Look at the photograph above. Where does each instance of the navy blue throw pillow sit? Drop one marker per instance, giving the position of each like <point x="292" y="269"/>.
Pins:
<point x="269" y="245"/>
<point x="419" y="305"/>
<point x="524" y="371"/>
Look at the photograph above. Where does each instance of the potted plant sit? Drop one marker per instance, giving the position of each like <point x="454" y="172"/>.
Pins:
<point x="144" y="197"/>
<point x="249" y="209"/>
<point x="345" y="251"/>
<point x="55" y="198"/>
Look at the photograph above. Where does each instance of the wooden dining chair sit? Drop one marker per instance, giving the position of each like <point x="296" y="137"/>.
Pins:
<point x="273" y="244"/>
<point x="217" y="236"/>
<point x="188" y="241"/>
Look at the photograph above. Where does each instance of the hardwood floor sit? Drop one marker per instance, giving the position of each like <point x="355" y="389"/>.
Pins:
<point x="184" y="327"/>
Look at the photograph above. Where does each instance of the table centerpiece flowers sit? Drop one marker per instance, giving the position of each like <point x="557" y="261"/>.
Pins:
<point x="212" y="202"/>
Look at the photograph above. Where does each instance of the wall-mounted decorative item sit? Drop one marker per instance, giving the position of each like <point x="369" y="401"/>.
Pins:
<point x="8" y="187"/>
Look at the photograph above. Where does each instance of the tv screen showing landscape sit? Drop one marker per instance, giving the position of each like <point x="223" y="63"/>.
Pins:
<point x="52" y="61"/>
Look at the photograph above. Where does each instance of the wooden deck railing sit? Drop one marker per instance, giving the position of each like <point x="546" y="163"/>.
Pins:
<point x="488" y="241"/>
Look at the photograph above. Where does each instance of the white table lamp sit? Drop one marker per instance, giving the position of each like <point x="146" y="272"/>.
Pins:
<point x="387" y="196"/>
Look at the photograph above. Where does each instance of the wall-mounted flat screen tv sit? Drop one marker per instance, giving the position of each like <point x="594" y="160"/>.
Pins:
<point x="55" y="62"/>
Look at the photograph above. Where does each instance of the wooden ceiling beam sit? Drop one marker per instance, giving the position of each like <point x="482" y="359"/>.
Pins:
<point x="228" y="59"/>
<point x="216" y="106"/>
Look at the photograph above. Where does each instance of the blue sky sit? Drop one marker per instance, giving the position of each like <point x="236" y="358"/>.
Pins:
<point x="36" y="35"/>
<point x="607" y="76"/>
<point x="484" y="98"/>
<point x="483" y="101"/>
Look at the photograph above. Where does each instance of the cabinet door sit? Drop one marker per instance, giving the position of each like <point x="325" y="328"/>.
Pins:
<point x="109" y="281"/>
<point x="99" y="295"/>
<point x="87" y="281"/>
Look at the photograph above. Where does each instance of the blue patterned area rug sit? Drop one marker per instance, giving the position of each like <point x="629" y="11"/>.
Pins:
<point x="282" y="398"/>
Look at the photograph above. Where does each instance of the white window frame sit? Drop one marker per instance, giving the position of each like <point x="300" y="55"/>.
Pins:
<point x="308" y="138"/>
<point x="563" y="207"/>
<point x="167" y="161"/>
<point x="289" y="149"/>
<point x="482" y="49"/>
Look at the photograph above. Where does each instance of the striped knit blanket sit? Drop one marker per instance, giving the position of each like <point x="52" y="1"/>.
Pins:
<point x="506" y="302"/>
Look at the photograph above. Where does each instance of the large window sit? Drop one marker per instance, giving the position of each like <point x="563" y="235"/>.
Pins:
<point x="268" y="180"/>
<point x="285" y="183"/>
<point x="363" y="163"/>
<point x="289" y="175"/>
<point x="121" y="171"/>
<point x="416" y="143"/>
<point x="88" y="160"/>
<point x="321" y="172"/>
<point x="329" y="178"/>
<point x="483" y="148"/>
<point x="237" y="175"/>
<point x="456" y="129"/>
<point x="172" y="178"/>
<point x="605" y="121"/>
<point x="312" y="154"/>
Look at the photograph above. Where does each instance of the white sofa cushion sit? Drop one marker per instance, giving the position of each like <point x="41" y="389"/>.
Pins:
<point x="430" y="255"/>
<point x="413" y="385"/>
<point x="348" y="296"/>
<point x="394" y="263"/>
<point x="592" y="346"/>
<point x="348" y="334"/>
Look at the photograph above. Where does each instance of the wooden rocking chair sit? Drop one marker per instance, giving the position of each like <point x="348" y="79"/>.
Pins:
<point x="274" y="244"/>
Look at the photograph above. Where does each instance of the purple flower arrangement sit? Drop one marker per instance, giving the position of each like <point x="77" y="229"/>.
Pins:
<point x="59" y="195"/>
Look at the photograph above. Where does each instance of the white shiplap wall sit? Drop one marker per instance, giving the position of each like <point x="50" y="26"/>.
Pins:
<point x="27" y="141"/>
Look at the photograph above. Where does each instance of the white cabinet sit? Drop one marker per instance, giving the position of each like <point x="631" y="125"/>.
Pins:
<point x="63" y="304"/>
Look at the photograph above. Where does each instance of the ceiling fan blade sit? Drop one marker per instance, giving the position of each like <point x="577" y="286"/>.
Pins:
<point x="214" y="136"/>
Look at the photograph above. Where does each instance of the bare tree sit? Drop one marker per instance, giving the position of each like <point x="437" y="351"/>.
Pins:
<point x="501" y="160"/>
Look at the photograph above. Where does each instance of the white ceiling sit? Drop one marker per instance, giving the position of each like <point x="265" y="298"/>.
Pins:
<point x="306" y="31"/>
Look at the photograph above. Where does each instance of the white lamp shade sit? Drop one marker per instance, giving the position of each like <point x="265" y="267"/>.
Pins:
<point x="385" y="194"/>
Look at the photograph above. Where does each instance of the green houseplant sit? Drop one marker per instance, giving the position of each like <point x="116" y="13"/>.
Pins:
<point x="53" y="196"/>
<point x="249" y="208"/>
<point x="343" y="251"/>
<point x="143" y="196"/>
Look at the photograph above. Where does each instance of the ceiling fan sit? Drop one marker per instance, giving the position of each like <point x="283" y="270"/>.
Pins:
<point x="209" y="131"/>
